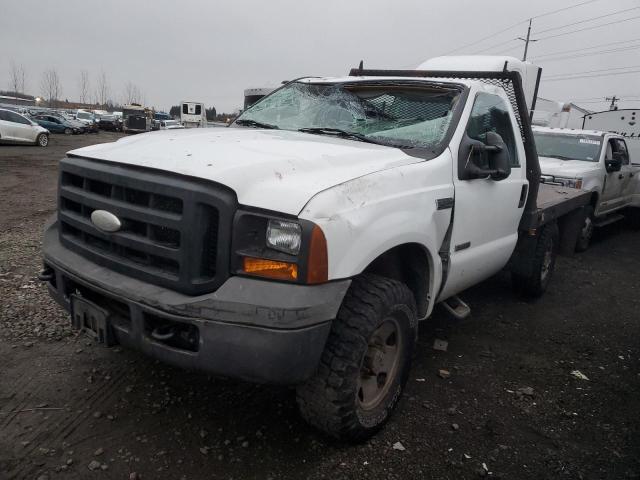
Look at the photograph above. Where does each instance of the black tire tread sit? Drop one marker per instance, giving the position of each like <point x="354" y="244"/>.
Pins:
<point x="326" y="400"/>
<point x="531" y="285"/>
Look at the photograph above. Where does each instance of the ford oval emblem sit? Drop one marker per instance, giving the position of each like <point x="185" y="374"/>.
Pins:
<point x="105" y="221"/>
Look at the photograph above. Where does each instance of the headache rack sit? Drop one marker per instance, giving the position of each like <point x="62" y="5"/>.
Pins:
<point x="511" y="83"/>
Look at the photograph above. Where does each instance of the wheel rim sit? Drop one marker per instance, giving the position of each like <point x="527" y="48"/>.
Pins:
<point x="380" y="364"/>
<point x="44" y="140"/>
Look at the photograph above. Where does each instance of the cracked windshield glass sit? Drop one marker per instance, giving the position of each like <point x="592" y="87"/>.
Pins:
<point x="403" y="116"/>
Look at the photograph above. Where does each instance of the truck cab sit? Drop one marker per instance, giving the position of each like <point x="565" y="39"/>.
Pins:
<point x="303" y="244"/>
<point x="592" y="160"/>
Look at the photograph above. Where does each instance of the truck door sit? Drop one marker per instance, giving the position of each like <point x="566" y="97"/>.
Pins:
<point x="486" y="212"/>
<point x="616" y="192"/>
<point x="629" y="172"/>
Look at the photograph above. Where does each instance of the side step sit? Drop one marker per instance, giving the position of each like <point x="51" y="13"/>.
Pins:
<point x="456" y="307"/>
<point x="609" y="219"/>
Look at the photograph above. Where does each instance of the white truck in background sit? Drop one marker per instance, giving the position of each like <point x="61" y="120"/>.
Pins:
<point x="193" y="115"/>
<point x="303" y="244"/>
<point x="592" y="160"/>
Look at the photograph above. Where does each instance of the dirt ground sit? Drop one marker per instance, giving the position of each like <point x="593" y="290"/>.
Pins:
<point x="511" y="404"/>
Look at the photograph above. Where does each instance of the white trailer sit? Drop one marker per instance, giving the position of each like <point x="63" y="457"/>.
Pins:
<point x="622" y="122"/>
<point x="193" y="115"/>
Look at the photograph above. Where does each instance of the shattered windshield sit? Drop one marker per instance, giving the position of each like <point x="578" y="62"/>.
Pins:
<point x="568" y="147"/>
<point x="397" y="114"/>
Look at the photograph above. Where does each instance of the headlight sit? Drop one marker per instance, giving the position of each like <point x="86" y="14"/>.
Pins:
<point x="292" y="250"/>
<point x="569" y="182"/>
<point x="284" y="236"/>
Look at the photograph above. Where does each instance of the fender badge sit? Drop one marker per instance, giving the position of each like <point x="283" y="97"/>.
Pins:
<point x="105" y="221"/>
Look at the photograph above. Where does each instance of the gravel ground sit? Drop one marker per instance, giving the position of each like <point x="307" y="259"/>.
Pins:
<point x="510" y="408"/>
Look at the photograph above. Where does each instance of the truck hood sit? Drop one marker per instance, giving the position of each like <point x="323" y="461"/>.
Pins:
<point x="273" y="169"/>
<point x="567" y="168"/>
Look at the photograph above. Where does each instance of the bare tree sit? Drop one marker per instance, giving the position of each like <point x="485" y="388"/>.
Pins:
<point x="133" y="94"/>
<point x="17" y="78"/>
<point x="84" y="86"/>
<point x="50" y="86"/>
<point x="102" y="89"/>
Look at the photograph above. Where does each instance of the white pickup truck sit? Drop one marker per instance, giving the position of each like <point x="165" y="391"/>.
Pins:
<point x="303" y="244"/>
<point x="595" y="161"/>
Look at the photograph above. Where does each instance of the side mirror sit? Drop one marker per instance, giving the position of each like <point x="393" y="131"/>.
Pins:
<point x="614" y="164"/>
<point x="482" y="160"/>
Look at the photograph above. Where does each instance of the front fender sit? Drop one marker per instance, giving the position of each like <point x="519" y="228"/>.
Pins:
<point x="367" y="216"/>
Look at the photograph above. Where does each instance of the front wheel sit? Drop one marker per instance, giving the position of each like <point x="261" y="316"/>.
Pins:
<point x="366" y="361"/>
<point x="586" y="232"/>
<point x="67" y="131"/>
<point x="42" y="140"/>
<point x="542" y="264"/>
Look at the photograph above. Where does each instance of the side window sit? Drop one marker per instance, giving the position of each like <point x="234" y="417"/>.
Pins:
<point x="491" y="114"/>
<point x="198" y="109"/>
<point x="15" y="118"/>
<point x="622" y="147"/>
<point x="185" y="109"/>
<point x="3" y="115"/>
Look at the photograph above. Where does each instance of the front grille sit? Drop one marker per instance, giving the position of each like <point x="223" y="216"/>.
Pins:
<point x="175" y="231"/>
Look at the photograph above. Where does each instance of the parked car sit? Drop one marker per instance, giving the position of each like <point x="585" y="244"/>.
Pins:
<point x="110" y="122"/>
<point x="16" y="128"/>
<point x="595" y="161"/>
<point x="304" y="244"/>
<point x="170" y="125"/>
<point x="159" y="117"/>
<point x="89" y="119"/>
<point x="56" y="124"/>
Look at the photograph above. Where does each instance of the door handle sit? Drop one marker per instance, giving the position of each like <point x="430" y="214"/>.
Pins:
<point x="631" y="174"/>
<point x="523" y="195"/>
<point x="621" y="176"/>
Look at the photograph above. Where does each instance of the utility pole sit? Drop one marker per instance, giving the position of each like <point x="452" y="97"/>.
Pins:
<point x="614" y="102"/>
<point x="526" y="41"/>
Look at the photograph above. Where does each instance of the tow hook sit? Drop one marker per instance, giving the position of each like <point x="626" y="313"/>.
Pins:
<point x="163" y="333"/>
<point x="46" y="275"/>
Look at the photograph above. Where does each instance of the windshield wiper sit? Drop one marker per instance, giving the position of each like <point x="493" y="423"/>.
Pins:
<point x="560" y="157"/>
<point x="253" y="123"/>
<point x="346" y="134"/>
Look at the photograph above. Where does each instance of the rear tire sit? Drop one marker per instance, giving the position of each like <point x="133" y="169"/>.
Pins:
<point x="42" y="140"/>
<point x="366" y="361"/>
<point x="543" y="262"/>
<point x="586" y="232"/>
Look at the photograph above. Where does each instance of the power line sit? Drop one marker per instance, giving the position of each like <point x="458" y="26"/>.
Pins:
<point x="586" y="48"/>
<point x="593" y="71"/>
<point x="564" y="8"/>
<point x="585" y="21"/>
<point x="517" y="24"/>
<point x="579" y="55"/>
<point x="589" y="28"/>
<point x="486" y="38"/>
<point x="591" y="76"/>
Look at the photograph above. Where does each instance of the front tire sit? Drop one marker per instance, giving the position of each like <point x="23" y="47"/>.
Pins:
<point x="67" y="131"/>
<point x="42" y="140"/>
<point x="366" y="361"/>
<point x="542" y="266"/>
<point x="586" y="232"/>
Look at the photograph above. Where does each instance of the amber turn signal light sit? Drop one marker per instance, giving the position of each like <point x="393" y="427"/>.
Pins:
<point x="270" y="268"/>
<point x="318" y="265"/>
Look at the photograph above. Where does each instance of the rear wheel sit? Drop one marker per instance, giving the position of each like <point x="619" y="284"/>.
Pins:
<point x="586" y="232"/>
<point x="366" y="360"/>
<point x="42" y="140"/>
<point x="543" y="262"/>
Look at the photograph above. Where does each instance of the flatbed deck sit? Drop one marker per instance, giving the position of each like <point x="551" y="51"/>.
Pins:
<point x="553" y="202"/>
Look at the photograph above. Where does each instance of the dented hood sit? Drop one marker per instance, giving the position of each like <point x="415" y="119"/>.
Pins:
<point x="273" y="169"/>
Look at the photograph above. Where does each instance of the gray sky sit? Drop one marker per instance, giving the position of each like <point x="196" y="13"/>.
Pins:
<point x="211" y="51"/>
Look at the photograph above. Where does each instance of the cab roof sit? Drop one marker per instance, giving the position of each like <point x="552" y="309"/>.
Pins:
<point x="571" y="131"/>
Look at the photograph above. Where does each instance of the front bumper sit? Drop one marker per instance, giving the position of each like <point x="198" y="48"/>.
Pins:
<point x="249" y="329"/>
